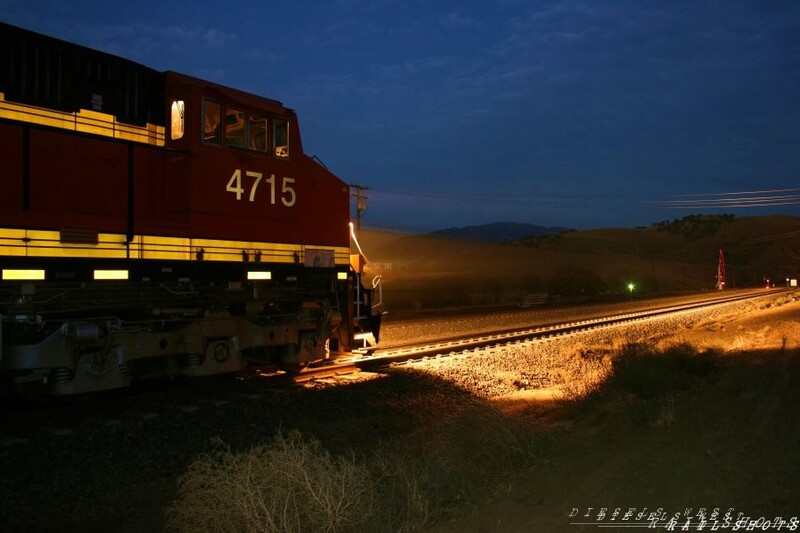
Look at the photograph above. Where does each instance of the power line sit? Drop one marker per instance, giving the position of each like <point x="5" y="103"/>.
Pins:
<point x="743" y="199"/>
<point x="739" y="199"/>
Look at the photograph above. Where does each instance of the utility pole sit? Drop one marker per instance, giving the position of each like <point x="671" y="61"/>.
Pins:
<point x="358" y="192"/>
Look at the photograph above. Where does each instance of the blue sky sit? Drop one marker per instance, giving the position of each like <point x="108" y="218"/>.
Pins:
<point x="576" y="113"/>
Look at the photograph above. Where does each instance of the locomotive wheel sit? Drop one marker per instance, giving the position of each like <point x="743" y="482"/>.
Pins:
<point x="293" y="368"/>
<point x="31" y="391"/>
<point x="289" y="360"/>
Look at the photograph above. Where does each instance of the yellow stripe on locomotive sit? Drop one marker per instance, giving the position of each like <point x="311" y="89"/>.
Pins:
<point x="82" y="121"/>
<point x="47" y="243"/>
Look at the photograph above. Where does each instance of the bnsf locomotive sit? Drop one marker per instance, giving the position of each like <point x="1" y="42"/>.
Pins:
<point x="155" y="224"/>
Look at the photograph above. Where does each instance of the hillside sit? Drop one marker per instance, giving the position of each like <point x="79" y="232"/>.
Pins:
<point x="431" y="272"/>
<point x="498" y="232"/>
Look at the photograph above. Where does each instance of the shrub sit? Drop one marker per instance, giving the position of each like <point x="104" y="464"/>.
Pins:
<point x="643" y="371"/>
<point x="287" y="485"/>
<point x="647" y="373"/>
<point x="406" y="485"/>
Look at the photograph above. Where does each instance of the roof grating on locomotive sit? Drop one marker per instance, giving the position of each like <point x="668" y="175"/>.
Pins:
<point x="39" y="70"/>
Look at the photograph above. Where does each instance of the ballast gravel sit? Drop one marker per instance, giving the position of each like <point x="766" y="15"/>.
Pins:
<point x="553" y="361"/>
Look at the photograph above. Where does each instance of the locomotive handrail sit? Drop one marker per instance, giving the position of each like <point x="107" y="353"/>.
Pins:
<point x="376" y="285"/>
<point x="318" y="160"/>
<point x="358" y="296"/>
<point x="358" y="246"/>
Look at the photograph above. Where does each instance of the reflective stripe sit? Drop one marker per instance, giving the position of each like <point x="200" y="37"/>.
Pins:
<point x="85" y="121"/>
<point x="22" y="275"/>
<point x="46" y="243"/>
<point x="111" y="274"/>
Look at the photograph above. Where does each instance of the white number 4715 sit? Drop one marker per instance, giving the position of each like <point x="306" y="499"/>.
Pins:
<point x="287" y="194"/>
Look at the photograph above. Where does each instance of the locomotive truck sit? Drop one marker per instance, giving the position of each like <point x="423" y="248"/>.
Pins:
<point x="155" y="224"/>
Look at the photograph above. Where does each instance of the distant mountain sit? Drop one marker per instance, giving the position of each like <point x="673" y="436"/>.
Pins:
<point x="498" y="232"/>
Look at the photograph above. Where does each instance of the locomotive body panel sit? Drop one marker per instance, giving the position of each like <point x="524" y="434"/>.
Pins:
<point x="77" y="182"/>
<point x="162" y="192"/>
<point x="11" y="179"/>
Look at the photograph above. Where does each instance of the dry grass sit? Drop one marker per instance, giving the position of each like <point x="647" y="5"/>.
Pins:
<point x="666" y="415"/>
<point x="293" y="484"/>
<point x="641" y="380"/>
<point x="584" y="377"/>
<point x="288" y="485"/>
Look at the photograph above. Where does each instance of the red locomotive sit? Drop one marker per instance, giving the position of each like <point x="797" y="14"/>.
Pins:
<point x="156" y="224"/>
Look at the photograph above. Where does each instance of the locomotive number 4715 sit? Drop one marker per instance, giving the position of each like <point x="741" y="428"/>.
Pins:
<point x="287" y="194"/>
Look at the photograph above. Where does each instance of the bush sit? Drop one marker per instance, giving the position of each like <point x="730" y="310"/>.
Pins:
<point x="641" y="382"/>
<point x="287" y="485"/>
<point x="406" y="485"/>
<point x="647" y="373"/>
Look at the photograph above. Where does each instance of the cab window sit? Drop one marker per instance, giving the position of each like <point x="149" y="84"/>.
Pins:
<point x="177" y="120"/>
<point x="212" y="130"/>
<point x="258" y="133"/>
<point x="280" y="143"/>
<point x="234" y="128"/>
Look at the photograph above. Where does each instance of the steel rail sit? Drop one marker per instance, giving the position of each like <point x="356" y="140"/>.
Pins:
<point x="457" y="344"/>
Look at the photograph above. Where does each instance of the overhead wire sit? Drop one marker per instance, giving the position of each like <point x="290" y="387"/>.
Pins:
<point x="733" y="200"/>
<point x="739" y="199"/>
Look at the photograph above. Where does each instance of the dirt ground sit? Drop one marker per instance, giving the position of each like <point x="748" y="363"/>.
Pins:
<point x="730" y="446"/>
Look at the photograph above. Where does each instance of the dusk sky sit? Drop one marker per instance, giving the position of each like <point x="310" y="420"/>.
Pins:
<point x="583" y="114"/>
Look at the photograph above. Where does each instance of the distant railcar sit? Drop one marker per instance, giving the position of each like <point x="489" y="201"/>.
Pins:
<point x="155" y="224"/>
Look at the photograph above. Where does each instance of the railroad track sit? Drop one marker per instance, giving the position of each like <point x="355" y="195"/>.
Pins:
<point x="461" y="343"/>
